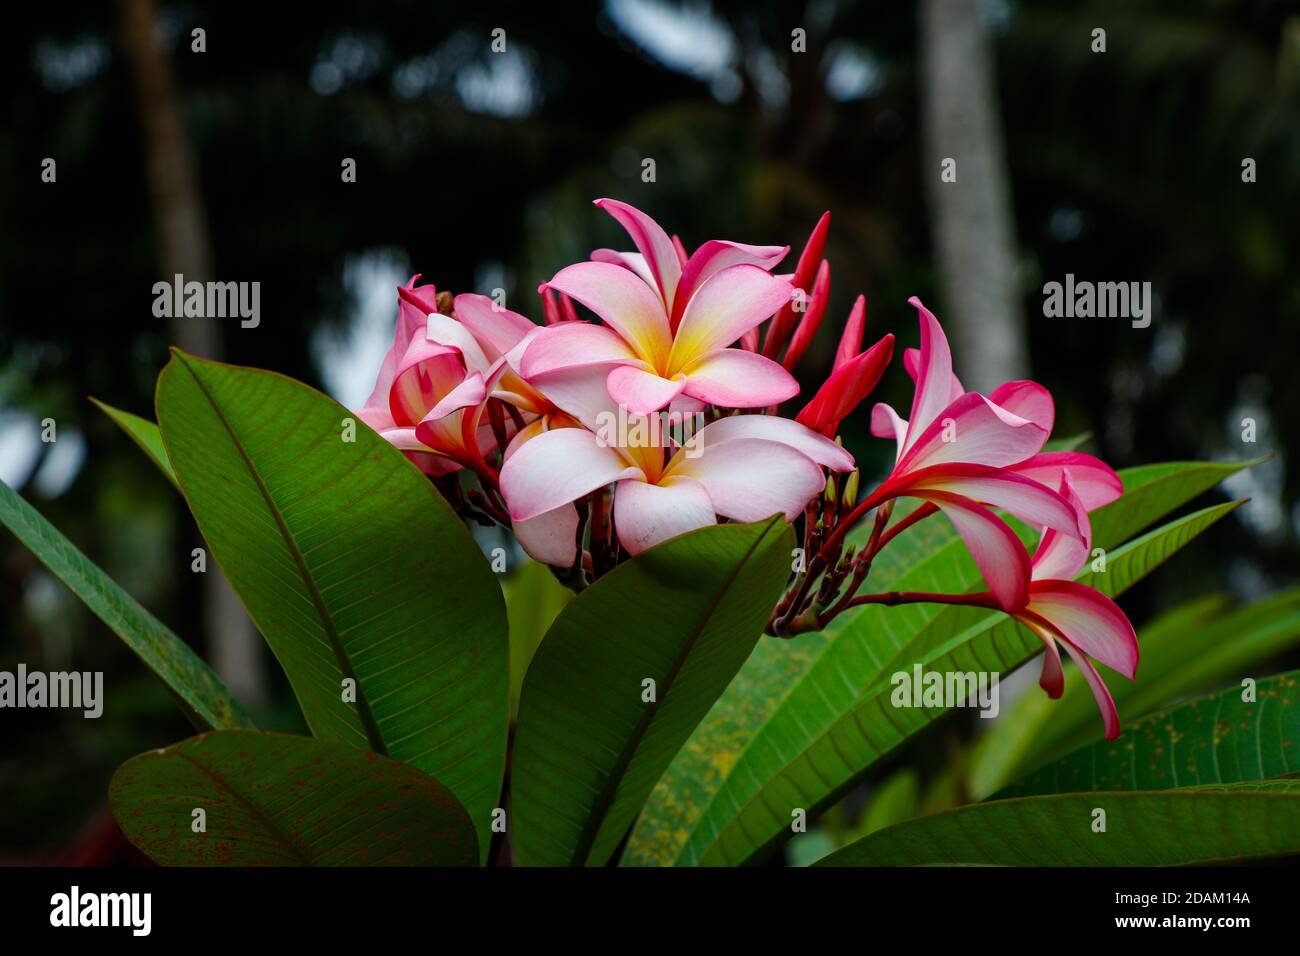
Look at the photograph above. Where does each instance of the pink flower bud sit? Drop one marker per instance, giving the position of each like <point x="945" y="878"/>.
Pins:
<point x="812" y="318"/>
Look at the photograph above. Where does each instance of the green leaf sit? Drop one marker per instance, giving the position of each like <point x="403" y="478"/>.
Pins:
<point x="144" y="433"/>
<point x="199" y="692"/>
<point x="813" y="775"/>
<point x="590" y="745"/>
<point x="281" y="800"/>
<point x="1187" y="651"/>
<point x="791" y="691"/>
<point x="353" y="568"/>
<point x="1165" y="828"/>
<point x="534" y="598"/>
<point x="1220" y="738"/>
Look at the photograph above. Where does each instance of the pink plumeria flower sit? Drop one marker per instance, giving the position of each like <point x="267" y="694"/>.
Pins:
<point x="668" y="322"/>
<point x="435" y="381"/>
<point x="1063" y="612"/>
<point x="956" y="451"/>
<point x="746" y="468"/>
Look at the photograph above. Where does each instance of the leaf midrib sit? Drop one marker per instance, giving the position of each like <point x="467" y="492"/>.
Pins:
<point x="373" y="735"/>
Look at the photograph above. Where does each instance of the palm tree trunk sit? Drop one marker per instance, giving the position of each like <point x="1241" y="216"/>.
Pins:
<point x="971" y="218"/>
<point x="181" y="233"/>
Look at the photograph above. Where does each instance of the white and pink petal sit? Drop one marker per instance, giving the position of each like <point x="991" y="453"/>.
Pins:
<point x="1093" y="480"/>
<point x="820" y="449"/>
<point x="654" y="244"/>
<point x="571" y="345"/>
<point x="625" y="303"/>
<point x="425" y="373"/>
<point x="642" y="392"/>
<point x="714" y="256"/>
<point x="647" y="514"/>
<point x="558" y="467"/>
<point x="749" y="479"/>
<point x="975" y="431"/>
<point x="1028" y="500"/>
<point x="997" y="551"/>
<point x="885" y="423"/>
<point x="1089" y="620"/>
<point x="497" y="329"/>
<point x="1061" y="557"/>
<point x="1027" y="400"/>
<point x="734" y="378"/>
<point x="550" y="537"/>
<point x="934" y="377"/>
<point x="729" y="304"/>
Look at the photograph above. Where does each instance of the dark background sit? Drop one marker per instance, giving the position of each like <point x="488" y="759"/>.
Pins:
<point x="478" y="170"/>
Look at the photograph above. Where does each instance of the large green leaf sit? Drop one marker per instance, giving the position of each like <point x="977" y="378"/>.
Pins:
<point x="1186" y="651"/>
<point x="593" y="736"/>
<point x="811" y="776"/>
<point x="206" y="701"/>
<point x="1163" y="828"/>
<point x="791" y="691"/>
<point x="280" y="800"/>
<point x="1221" y="738"/>
<point x="353" y="568"/>
<point x="144" y="433"/>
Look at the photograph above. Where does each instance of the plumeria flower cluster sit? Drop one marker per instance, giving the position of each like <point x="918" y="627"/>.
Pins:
<point x="595" y="438"/>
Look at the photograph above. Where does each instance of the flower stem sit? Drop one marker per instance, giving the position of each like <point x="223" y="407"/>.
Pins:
<point x="924" y="511"/>
<point x="892" y="598"/>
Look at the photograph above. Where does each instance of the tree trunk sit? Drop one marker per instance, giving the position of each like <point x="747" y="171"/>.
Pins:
<point x="181" y="235"/>
<point x="971" y="218"/>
